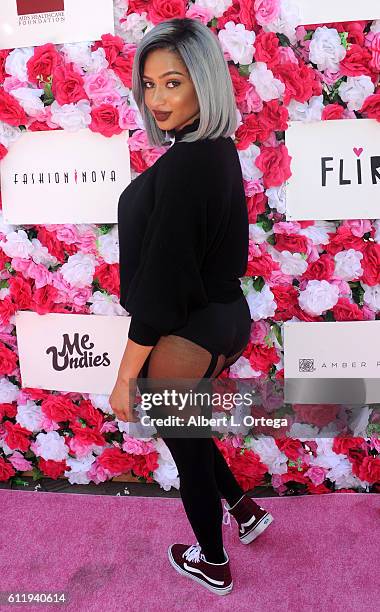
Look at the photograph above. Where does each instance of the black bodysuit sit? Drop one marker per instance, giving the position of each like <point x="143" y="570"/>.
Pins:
<point x="183" y="239"/>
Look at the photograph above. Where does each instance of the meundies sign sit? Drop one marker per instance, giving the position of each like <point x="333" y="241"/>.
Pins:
<point x="323" y="363"/>
<point x="27" y="23"/>
<point x="335" y="170"/>
<point x="70" y="352"/>
<point x="327" y="11"/>
<point x="64" y="177"/>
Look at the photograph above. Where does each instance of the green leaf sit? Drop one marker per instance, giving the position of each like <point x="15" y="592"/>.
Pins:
<point x="244" y="70"/>
<point x="4" y="284"/>
<point x="258" y="283"/>
<point x="284" y="40"/>
<point x="343" y="38"/>
<point x="277" y="332"/>
<point x="309" y="35"/>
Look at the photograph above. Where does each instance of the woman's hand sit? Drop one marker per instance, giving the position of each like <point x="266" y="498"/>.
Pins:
<point x="122" y="399"/>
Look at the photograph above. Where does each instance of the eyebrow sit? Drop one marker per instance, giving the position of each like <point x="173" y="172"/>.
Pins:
<point x="165" y="73"/>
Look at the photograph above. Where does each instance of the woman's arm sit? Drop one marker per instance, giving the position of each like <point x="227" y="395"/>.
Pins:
<point x="132" y="361"/>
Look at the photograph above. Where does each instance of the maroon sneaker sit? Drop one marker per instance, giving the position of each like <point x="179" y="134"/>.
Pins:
<point x="251" y="518"/>
<point x="190" y="561"/>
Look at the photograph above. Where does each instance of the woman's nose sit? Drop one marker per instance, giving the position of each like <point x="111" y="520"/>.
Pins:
<point x="158" y="95"/>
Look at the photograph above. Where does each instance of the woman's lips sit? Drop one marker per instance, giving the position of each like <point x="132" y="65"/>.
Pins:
<point x="162" y="116"/>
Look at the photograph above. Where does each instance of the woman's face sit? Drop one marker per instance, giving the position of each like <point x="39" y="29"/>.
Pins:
<point x="170" y="93"/>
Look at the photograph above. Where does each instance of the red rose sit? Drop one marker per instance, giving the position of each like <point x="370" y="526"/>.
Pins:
<point x="290" y="447"/>
<point x="256" y="206"/>
<point x="286" y="297"/>
<point x="343" y="445"/>
<point x="144" y="464"/>
<point x="8" y="410"/>
<point x="321" y="269"/>
<point x="108" y="277"/>
<point x="115" y="461"/>
<point x="87" y="435"/>
<point x="6" y="470"/>
<point x="263" y="357"/>
<point x="8" y="360"/>
<point x="52" y="469"/>
<point x="266" y="48"/>
<point x="44" y="299"/>
<point x="251" y="131"/>
<point x="371" y="107"/>
<point x="274" y="116"/>
<point x="7" y="309"/>
<point x="356" y="62"/>
<point x="262" y="266"/>
<point x="20" y="292"/>
<point x="3" y="56"/>
<point x="58" y="408"/>
<point x="274" y="162"/>
<point x="294" y="243"/>
<point x="371" y="264"/>
<point x="320" y="489"/>
<point x="344" y="310"/>
<point x="112" y="45"/>
<point x="123" y="65"/>
<point x="105" y="120"/>
<point x="248" y="470"/>
<point x="50" y="241"/>
<point x="332" y="111"/>
<point x="3" y="151"/>
<point x="41" y="126"/>
<point x="36" y="394"/>
<point x="138" y="162"/>
<point x="11" y="110"/>
<point x="67" y="85"/>
<point x="17" y="437"/>
<point x="344" y="239"/>
<point x="43" y="62"/>
<point x="161" y="10"/>
<point x="246" y="15"/>
<point x="300" y="81"/>
<point x="304" y="316"/>
<point x="240" y="84"/>
<point x="369" y="469"/>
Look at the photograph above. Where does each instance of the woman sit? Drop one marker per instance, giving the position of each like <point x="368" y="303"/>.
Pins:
<point x="183" y="236"/>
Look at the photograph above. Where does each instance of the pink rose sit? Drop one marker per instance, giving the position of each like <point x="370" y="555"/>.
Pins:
<point x="266" y="11"/>
<point x="274" y="162"/>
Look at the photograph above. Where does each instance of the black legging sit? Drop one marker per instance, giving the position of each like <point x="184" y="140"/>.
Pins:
<point x="212" y="340"/>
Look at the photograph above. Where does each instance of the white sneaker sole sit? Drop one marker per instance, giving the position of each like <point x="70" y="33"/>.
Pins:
<point x="183" y="572"/>
<point x="266" y="520"/>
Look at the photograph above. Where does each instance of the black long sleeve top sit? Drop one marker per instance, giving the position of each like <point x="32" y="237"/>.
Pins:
<point x="183" y="235"/>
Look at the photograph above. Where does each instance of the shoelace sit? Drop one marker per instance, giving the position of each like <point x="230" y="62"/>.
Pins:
<point x="193" y="553"/>
<point x="226" y="516"/>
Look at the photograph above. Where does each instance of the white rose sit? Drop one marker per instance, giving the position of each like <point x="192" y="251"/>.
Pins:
<point x="215" y="7"/>
<point x="347" y="264"/>
<point x="247" y="161"/>
<point x="104" y="304"/>
<point x="306" y="111"/>
<point x="242" y="369"/>
<point x="108" y="246"/>
<point x="326" y="49"/>
<point x="238" y="42"/>
<point x="319" y="232"/>
<point x="375" y="27"/>
<point x="101" y="402"/>
<point x="30" y="416"/>
<point x="4" y="227"/>
<point x="15" y="64"/>
<point x="276" y="198"/>
<point x="133" y="27"/>
<point x="29" y="99"/>
<point x="261" y="303"/>
<point x="287" y="22"/>
<point x="269" y="454"/>
<point x="17" y="244"/>
<point x="51" y="445"/>
<point x="8" y="391"/>
<point x="41" y="254"/>
<point x="355" y="91"/>
<point x="257" y="234"/>
<point x="71" y="117"/>
<point x="267" y="87"/>
<point x="292" y="263"/>
<point x="372" y="296"/>
<point x="79" y="270"/>
<point x="318" y="297"/>
<point x="78" y="53"/>
<point x="8" y="134"/>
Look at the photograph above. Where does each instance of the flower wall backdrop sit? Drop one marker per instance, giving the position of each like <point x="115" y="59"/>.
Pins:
<point x="297" y="271"/>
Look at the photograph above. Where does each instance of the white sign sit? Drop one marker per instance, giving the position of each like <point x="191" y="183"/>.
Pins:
<point x="70" y="352"/>
<point x="63" y="177"/>
<point x="328" y="11"/>
<point x="335" y="170"/>
<point x="324" y="363"/>
<point x="28" y="23"/>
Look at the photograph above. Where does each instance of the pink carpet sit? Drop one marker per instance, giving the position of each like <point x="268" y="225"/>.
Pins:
<point x="109" y="554"/>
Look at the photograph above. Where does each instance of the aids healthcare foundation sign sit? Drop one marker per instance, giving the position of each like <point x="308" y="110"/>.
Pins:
<point x="25" y="23"/>
<point x="332" y="362"/>
<point x="70" y="352"/>
<point x="328" y="11"/>
<point x="335" y="170"/>
<point x="64" y="177"/>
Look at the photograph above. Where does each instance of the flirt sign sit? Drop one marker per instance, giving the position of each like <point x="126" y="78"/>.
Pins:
<point x="70" y="352"/>
<point x="328" y="11"/>
<point x="30" y="23"/>
<point x="335" y="170"/>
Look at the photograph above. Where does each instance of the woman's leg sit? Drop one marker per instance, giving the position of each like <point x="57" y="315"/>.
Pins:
<point x="175" y="357"/>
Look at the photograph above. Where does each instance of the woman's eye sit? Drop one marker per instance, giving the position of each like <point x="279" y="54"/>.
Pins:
<point x="149" y="82"/>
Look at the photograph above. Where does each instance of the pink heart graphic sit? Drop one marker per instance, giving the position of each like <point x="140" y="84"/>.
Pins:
<point x="358" y="152"/>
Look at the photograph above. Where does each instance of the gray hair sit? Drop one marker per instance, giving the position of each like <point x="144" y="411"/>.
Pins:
<point x="200" y="50"/>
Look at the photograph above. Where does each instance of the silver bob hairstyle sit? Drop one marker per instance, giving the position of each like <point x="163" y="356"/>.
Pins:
<point x="200" y="50"/>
